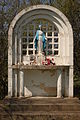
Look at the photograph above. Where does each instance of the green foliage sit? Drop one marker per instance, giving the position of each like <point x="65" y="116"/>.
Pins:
<point x="9" y="8"/>
<point x="3" y="51"/>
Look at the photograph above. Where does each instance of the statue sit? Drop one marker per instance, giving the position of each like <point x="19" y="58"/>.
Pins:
<point x="40" y="41"/>
<point x="40" y="45"/>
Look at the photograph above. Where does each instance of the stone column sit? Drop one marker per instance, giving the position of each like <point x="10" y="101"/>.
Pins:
<point x="20" y="48"/>
<point x="71" y="81"/>
<point x="15" y="82"/>
<point x="16" y="48"/>
<point x="10" y="60"/>
<point x="66" y="82"/>
<point x="10" y="79"/>
<point x="59" y="87"/>
<point x="21" y="83"/>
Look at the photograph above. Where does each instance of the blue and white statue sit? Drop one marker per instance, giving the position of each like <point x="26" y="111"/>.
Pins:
<point x="40" y="41"/>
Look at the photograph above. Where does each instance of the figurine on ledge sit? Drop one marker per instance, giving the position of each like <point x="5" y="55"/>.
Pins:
<point x="40" y="41"/>
<point x="40" y="45"/>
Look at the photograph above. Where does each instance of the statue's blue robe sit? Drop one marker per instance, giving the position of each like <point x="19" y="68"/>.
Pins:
<point x="43" y="40"/>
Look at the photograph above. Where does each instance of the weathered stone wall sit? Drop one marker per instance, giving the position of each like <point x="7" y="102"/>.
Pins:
<point x="41" y="83"/>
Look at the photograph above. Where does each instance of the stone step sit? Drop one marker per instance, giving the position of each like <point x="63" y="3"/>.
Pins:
<point x="51" y="115"/>
<point x="42" y="100"/>
<point x="42" y="103"/>
<point x="44" y="113"/>
<point x="41" y="107"/>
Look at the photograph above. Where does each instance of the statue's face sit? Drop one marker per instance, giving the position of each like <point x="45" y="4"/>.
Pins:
<point x="40" y="27"/>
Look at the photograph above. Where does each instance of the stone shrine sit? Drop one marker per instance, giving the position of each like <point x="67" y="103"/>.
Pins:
<point x="45" y="73"/>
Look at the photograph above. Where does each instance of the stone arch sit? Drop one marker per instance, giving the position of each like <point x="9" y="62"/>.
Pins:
<point x="50" y="13"/>
<point x="65" y="57"/>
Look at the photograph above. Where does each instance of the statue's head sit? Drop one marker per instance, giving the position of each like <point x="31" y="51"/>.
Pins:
<point x="40" y="26"/>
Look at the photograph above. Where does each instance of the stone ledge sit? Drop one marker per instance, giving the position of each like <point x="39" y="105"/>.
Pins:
<point x="44" y="67"/>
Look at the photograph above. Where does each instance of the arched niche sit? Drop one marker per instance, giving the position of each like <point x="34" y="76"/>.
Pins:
<point x="64" y="46"/>
<point x="56" y="18"/>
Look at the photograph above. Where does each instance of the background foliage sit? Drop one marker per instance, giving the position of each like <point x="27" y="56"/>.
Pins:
<point x="9" y="8"/>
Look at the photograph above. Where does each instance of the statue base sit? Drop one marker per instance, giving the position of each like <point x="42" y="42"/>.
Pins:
<point x="39" y="59"/>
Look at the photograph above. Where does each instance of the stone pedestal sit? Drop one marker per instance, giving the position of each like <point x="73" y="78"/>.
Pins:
<point x="40" y="58"/>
